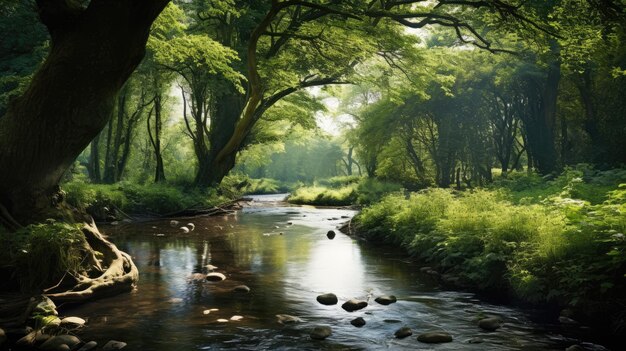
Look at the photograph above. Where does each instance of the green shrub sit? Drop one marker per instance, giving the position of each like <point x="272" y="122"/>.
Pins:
<point x="40" y="254"/>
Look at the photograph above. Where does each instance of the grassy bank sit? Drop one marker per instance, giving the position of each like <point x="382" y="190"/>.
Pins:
<point x="557" y="242"/>
<point x="108" y="201"/>
<point x="343" y="191"/>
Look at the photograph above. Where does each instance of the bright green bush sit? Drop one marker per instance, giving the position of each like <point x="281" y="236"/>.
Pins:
<point x="348" y="190"/>
<point x="323" y="196"/>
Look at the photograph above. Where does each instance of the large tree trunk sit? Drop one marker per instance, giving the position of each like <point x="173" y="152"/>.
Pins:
<point x="71" y="97"/>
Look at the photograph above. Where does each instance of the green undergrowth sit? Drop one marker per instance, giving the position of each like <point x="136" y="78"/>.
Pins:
<point x="263" y="186"/>
<point x="343" y="191"/>
<point x="105" y="201"/>
<point x="562" y="246"/>
<point x="38" y="255"/>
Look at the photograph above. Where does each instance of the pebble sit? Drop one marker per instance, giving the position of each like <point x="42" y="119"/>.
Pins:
<point x="434" y="337"/>
<point x="403" y="332"/>
<point x="331" y="234"/>
<point x="222" y="320"/>
<point x="72" y="322"/>
<point x="113" y="345"/>
<point x="236" y="318"/>
<point x="241" y="289"/>
<point x="327" y="299"/>
<point x="55" y="342"/>
<point x="215" y="277"/>
<point x="321" y="332"/>
<point x="358" y="322"/>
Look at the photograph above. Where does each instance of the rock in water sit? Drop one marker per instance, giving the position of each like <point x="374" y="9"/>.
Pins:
<point x="321" y="332"/>
<point x="113" y="345"/>
<point x="434" y="337"/>
<point x="358" y="322"/>
<point x="331" y="234"/>
<point x="89" y="346"/>
<point x="490" y="323"/>
<point x="287" y="319"/>
<point x="215" y="277"/>
<point x="475" y="340"/>
<point x="191" y="226"/>
<point x="575" y="348"/>
<point x="55" y="342"/>
<point x="327" y="299"/>
<point x="241" y="289"/>
<point x="72" y="322"/>
<point x="173" y="223"/>
<point x="184" y="229"/>
<point x="353" y="305"/>
<point x="386" y="299"/>
<point x="403" y="332"/>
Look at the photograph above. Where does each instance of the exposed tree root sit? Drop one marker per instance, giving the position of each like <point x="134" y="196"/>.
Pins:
<point x="108" y="272"/>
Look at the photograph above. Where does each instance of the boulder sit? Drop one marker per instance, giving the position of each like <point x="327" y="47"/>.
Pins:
<point x="490" y="323"/>
<point x="241" y="289"/>
<point x="327" y="299"/>
<point x="331" y="234"/>
<point x="358" y="322"/>
<point x="113" y="345"/>
<point x="215" y="277"/>
<point x="434" y="337"/>
<point x="287" y="319"/>
<point x="55" y="342"/>
<point x="89" y="346"/>
<point x="386" y="299"/>
<point x="403" y="332"/>
<point x="321" y="332"/>
<point x="72" y="322"/>
<point x="354" y="305"/>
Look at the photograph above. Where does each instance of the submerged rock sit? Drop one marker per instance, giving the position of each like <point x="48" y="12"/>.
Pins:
<point x="331" y="234"/>
<point x="241" y="289"/>
<point x="287" y="319"/>
<point x="490" y="323"/>
<point x="321" y="332"/>
<point x="403" y="332"/>
<point x="3" y="336"/>
<point x="386" y="299"/>
<point x="358" y="322"/>
<point x="434" y="337"/>
<point x="55" y="343"/>
<point x="215" y="277"/>
<point x="575" y="348"/>
<point x="354" y="305"/>
<point x="475" y="340"/>
<point x="327" y="299"/>
<point x="113" y="345"/>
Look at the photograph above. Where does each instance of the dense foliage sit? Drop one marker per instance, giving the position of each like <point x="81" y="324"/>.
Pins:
<point x="541" y="241"/>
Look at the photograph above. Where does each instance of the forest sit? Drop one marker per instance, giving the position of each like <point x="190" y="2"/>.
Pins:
<point x="483" y="141"/>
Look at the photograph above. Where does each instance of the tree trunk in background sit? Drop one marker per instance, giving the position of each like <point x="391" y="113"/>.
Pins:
<point x="94" y="161"/>
<point x="591" y="124"/>
<point x="155" y="139"/>
<point x="70" y="98"/>
<point x="227" y="112"/>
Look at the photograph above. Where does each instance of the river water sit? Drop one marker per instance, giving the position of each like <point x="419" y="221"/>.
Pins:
<point x="286" y="266"/>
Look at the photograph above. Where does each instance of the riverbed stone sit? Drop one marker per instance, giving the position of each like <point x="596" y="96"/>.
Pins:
<point x="331" y="234"/>
<point x="89" y="346"/>
<point x="386" y="299"/>
<point x="475" y="340"/>
<point x="72" y="322"/>
<point x="287" y="319"/>
<point x="434" y="337"/>
<point x="215" y="277"/>
<point x="33" y="338"/>
<point x="241" y="289"/>
<point x="55" y="342"/>
<point x="354" y="305"/>
<point x="321" y="332"/>
<point x="3" y="336"/>
<point x="114" y="345"/>
<point x="327" y="299"/>
<point x="403" y="332"/>
<point x="358" y="322"/>
<point x="490" y="323"/>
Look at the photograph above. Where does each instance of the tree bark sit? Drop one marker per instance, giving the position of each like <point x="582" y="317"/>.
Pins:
<point x="70" y="98"/>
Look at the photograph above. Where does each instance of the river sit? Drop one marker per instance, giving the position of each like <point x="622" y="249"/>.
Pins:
<point x="282" y="254"/>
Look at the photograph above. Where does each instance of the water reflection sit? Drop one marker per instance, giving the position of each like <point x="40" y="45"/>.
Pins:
<point x="286" y="266"/>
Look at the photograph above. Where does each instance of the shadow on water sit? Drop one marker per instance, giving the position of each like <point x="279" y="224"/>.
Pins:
<point x="283" y="255"/>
